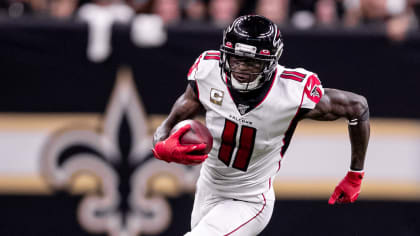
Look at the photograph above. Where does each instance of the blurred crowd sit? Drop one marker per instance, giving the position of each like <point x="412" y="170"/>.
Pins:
<point x="397" y="16"/>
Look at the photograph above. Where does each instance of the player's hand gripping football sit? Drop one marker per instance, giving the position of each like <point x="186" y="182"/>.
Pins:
<point x="171" y="150"/>
<point x="348" y="189"/>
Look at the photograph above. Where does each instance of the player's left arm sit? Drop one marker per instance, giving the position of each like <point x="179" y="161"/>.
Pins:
<point x="336" y="104"/>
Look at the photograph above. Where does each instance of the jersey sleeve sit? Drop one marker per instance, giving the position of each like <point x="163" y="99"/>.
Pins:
<point x="203" y="65"/>
<point x="192" y="75"/>
<point x="201" y="68"/>
<point x="193" y="71"/>
<point x="313" y="92"/>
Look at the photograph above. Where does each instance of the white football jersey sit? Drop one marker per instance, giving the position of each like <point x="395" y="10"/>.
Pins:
<point x="248" y="147"/>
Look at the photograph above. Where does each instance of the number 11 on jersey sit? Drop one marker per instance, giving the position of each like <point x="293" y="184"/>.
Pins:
<point x="244" y="148"/>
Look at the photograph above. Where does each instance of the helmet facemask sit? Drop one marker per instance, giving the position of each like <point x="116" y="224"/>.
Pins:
<point x="245" y="73"/>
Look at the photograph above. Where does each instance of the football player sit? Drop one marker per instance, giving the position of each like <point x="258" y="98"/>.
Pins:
<point x="252" y="107"/>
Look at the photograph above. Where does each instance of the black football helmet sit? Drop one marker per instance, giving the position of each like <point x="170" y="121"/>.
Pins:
<point x="251" y="37"/>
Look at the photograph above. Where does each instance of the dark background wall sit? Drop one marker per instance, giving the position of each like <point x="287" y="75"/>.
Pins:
<point x="44" y="69"/>
<point x="51" y="56"/>
<point x="55" y="215"/>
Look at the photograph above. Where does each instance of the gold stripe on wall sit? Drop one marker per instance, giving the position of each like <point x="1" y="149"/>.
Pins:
<point x="45" y="122"/>
<point x="384" y="190"/>
<point x="30" y="122"/>
<point x="83" y="183"/>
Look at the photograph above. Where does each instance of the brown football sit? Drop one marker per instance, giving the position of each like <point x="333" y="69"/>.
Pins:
<point x="197" y="134"/>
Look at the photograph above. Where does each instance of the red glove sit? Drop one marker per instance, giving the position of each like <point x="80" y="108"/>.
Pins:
<point x="171" y="150"/>
<point x="348" y="189"/>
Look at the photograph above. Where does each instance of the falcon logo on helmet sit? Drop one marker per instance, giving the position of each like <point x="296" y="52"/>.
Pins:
<point x="250" y="37"/>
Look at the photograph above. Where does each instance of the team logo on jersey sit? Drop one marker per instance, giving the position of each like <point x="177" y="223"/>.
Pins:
<point x="242" y="108"/>
<point x="117" y="154"/>
<point x="216" y="96"/>
<point x="313" y="88"/>
<point x="314" y="92"/>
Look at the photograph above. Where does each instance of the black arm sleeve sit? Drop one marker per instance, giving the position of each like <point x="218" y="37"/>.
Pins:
<point x="193" y="85"/>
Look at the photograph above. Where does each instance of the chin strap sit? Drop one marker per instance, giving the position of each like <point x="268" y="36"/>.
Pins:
<point x="245" y="86"/>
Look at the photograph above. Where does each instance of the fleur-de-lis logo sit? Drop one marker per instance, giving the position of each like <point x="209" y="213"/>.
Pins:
<point x="118" y="154"/>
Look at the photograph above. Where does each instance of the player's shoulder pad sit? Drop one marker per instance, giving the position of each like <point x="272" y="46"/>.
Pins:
<point x="205" y="63"/>
<point x="300" y="75"/>
<point x="306" y="81"/>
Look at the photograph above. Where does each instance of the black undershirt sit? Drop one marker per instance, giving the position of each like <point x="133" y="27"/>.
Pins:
<point x="247" y="101"/>
<point x="250" y="99"/>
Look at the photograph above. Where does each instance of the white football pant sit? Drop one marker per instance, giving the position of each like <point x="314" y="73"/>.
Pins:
<point x="213" y="215"/>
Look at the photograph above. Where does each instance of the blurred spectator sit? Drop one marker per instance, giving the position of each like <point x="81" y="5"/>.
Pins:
<point x="195" y="10"/>
<point x="168" y="10"/>
<point x="309" y="13"/>
<point x="38" y="6"/>
<point x="398" y="15"/>
<point x="53" y="8"/>
<point x="18" y="8"/>
<point x="416" y="10"/>
<point x="141" y="6"/>
<point x="100" y="15"/>
<point x="359" y="11"/>
<point x="223" y="12"/>
<point x="302" y="13"/>
<point x="326" y="13"/>
<point x="62" y="8"/>
<point x="116" y="10"/>
<point x="275" y="10"/>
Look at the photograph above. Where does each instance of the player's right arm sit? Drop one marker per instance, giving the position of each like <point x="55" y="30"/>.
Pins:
<point x="186" y="107"/>
<point x="188" y="104"/>
<point x="167" y="147"/>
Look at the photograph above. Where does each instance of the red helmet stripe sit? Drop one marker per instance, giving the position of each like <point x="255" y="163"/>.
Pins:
<point x="265" y="52"/>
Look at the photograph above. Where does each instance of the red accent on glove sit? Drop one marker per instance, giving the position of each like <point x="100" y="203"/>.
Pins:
<point x="348" y="189"/>
<point x="170" y="149"/>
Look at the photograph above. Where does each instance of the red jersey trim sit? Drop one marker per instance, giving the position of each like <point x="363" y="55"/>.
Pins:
<point x="265" y="203"/>
<point x="268" y="92"/>
<point x="288" y="128"/>
<point x="295" y="73"/>
<point x="211" y="57"/>
<point x="195" y="65"/>
<point x="292" y="77"/>
<point x="213" y="53"/>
